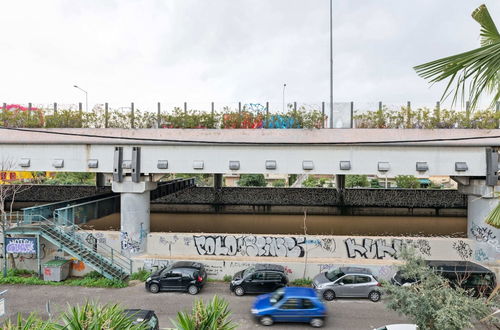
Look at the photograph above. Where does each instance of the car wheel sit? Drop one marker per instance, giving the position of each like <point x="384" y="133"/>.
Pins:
<point x="154" y="288"/>
<point x="266" y="320"/>
<point x="193" y="289"/>
<point x="239" y="291"/>
<point x="329" y="295"/>
<point x="317" y="323"/>
<point x="374" y="296"/>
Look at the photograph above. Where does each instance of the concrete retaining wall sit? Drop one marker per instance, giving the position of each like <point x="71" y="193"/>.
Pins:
<point x="224" y="254"/>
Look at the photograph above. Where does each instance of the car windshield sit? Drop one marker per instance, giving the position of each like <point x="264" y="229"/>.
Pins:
<point x="248" y="271"/>
<point x="165" y="270"/>
<point x="334" y="274"/>
<point x="276" y="296"/>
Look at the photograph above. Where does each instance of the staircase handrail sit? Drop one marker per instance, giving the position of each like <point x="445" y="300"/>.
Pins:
<point x="112" y="256"/>
<point x="115" y="256"/>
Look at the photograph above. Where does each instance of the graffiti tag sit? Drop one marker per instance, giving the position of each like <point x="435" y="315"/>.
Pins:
<point x="251" y="246"/>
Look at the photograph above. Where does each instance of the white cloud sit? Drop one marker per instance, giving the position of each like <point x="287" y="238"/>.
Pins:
<point x="226" y="51"/>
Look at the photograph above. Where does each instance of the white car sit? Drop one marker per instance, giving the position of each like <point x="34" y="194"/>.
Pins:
<point x="398" y="327"/>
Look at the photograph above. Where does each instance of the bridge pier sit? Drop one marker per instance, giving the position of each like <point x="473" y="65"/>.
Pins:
<point x="481" y="200"/>
<point x="134" y="215"/>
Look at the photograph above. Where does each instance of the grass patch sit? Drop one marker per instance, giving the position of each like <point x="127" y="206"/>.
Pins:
<point x="302" y="282"/>
<point x="91" y="280"/>
<point x="140" y="275"/>
<point x="227" y="278"/>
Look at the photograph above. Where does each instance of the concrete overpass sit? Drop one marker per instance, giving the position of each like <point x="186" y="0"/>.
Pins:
<point x="137" y="158"/>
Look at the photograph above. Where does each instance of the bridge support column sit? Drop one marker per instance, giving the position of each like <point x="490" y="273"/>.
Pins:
<point x="481" y="200"/>
<point x="217" y="181"/>
<point x="134" y="215"/>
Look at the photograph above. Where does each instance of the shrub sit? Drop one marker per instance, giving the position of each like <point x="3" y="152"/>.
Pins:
<point x="140" y="275"/>
<point x="227" y="278"/>
<point x="302" y="282"/>
<point x="213" y="315"/>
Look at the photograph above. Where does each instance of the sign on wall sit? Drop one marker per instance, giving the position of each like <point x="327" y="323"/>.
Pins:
<point x="25" y="245"/>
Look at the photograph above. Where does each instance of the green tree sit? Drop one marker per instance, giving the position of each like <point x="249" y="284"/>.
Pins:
<point x="432" y="303"/>
<point x="311" y="182"/>
<point x="213" y="315"/>
<point x="354" y="181"/>
<point x="72" y="178"/>
<point x="279" y="183"/>
<point x="407" y="181"/>
<point x="252" y="180"/>
<point x="472" y="72"/>
<point x="374" y="183"/>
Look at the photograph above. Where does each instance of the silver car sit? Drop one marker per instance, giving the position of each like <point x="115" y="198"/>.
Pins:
<point x="347" y="282"/>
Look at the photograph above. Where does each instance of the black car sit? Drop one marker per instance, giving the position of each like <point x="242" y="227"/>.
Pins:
<point x="260" y="278"/>
<point x="143" y="316"/>
<point x="180" y="276"/>
<point x="465" y="274"/>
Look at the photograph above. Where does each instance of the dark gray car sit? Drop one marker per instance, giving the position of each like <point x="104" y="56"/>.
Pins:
<point x="347" y="282"/>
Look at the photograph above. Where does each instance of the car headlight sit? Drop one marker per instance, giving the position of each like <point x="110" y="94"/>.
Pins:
<point x="253" y="311"/>
<point x="148" y="279"/>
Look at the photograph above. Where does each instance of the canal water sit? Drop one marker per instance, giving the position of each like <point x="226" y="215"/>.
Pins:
<point x="294" y="224"/>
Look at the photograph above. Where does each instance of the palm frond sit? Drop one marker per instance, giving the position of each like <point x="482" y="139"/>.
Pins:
<point x="489" y="32"/>
<point x="493" y="218"/>
<point x="471" y="73"/>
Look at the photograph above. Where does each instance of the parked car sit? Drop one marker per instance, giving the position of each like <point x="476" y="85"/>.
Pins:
<point x="143" y="316"/>
<point x="465" y="274"/>
<point x="347" y="282"/>
<point x="398" y="327"/>
<point x="290" y="304"/>
<point x="259" y="278"/>
<point x="180" y="276"/>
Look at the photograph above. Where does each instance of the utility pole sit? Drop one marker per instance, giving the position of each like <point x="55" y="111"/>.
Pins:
<point x="331" y="63"/>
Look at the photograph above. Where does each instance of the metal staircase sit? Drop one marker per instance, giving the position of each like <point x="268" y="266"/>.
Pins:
<point x="103" y="258"/>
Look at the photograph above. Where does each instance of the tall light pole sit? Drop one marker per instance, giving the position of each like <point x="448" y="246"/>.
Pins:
<point x="86" y="97"/>
<point x="284" y="86"/>
<point x="331" y="63"/>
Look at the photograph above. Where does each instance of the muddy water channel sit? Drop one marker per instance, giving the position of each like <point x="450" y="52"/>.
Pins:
<point x="294" y="224"/>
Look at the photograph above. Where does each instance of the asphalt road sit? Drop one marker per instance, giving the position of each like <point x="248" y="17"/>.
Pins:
<point x="349" y="314"/>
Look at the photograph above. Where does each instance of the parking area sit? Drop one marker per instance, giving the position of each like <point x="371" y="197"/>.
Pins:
<point x="343" y="314"/>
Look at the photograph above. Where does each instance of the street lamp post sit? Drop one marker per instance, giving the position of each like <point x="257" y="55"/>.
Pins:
<point x="331" y="63"/>
<point x="284" y="86"/>
<point x="86" y="97"/>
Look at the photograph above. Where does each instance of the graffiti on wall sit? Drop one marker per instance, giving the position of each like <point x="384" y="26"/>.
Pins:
<point x="21" y="245"/>
<point x="482" y="233"/>
<point x="373" y="248"/>
<point x="463" y="249"/>
<point x="382" y="248"/>
<point x="151" y="264"/>
<point x="128" y="244"/>
<point x="23" y="257"/>
<point x="480" y="255"/>
<point x="252" y="246"/>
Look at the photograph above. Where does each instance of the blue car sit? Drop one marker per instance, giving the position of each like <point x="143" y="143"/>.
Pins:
<point x="290" y="304"/>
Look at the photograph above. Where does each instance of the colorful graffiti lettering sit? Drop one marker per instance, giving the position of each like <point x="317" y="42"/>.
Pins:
<point x="251" y="246"/>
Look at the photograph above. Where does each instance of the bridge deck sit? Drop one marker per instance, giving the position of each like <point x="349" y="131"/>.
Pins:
<point x="312" y="151"/>
<point x="443" y="137"/>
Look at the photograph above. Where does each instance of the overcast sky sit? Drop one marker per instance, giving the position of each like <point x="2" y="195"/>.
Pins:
<point x="228" y="50"/>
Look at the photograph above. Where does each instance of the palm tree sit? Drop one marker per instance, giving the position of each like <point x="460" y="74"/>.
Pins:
<point x="213" y="315"/>
<point x="473" y="72"/>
